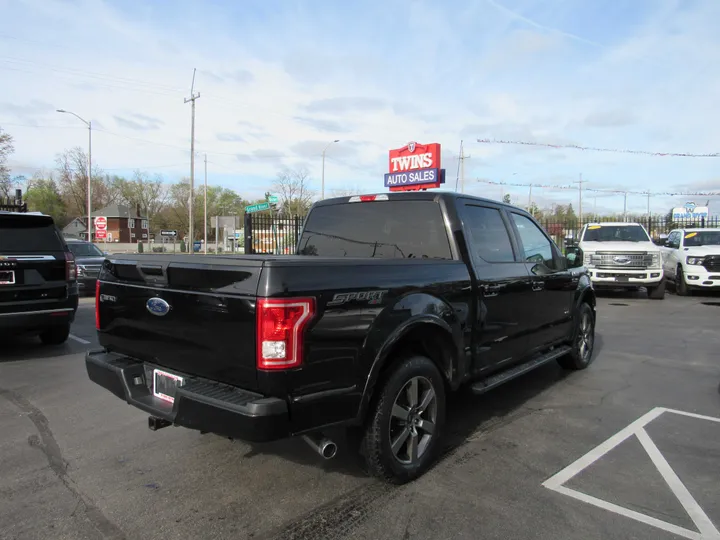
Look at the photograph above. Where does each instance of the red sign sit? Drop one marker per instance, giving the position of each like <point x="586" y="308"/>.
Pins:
<point x="101" y="234"/>
<point x="101" y="223"/>
<point x="415" y="157"/>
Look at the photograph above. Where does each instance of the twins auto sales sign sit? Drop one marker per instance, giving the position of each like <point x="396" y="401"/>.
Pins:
<point x="414" y="166"/>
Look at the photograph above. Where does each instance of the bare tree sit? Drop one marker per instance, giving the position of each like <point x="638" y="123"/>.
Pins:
<point x="347" y="192"/>
<point x="150" y="195"/>
<point x="72" y="181"/>
<point x="6" y="148"/>
<point x="293" y="189"/>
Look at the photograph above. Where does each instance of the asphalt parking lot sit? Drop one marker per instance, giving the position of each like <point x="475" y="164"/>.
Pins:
<point x="629" y="448"/>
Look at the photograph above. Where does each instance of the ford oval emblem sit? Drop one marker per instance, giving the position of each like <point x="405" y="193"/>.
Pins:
<point x="622" y="260"/>
<point x="158" y="307"/>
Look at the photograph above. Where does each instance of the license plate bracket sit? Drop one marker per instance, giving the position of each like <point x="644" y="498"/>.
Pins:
<point x="165" y="384"/>
<point x="622" y="279"/>
<point x="7" y="277"/>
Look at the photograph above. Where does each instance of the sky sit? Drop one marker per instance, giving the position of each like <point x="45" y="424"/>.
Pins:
<point x="279" y="80"/>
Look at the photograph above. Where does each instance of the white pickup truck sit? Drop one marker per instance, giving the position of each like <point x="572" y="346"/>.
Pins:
<point x="621" y="255"/>
<point x="691" y="257"/>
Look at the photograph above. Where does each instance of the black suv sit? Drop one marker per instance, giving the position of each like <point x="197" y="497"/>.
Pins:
<point x="38" y="278"/>
<point x="89" y="259"/>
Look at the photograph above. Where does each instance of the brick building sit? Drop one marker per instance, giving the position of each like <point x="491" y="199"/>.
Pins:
<point x="125" y="224"/>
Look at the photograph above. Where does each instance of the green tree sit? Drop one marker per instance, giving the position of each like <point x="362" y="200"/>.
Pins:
<point x="293" y="189"/>
<point x="6" y="148"/>
<point x="507" y="199"/>
<point x="44" y="196"/>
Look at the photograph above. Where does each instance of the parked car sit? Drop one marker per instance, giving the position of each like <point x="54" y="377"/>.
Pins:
<point x="391" y="302"/>
<point x="691" y="258"/>
<point x="38" y="286"/>
<point x="621" y="255"/>
<point x="89" y="259"/>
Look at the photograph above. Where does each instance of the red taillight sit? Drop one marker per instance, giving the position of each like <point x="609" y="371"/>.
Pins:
<point x="70" y="267"/>
<point x="281" y="323"/>
<point x="368" y="198"/>
<point x="97" y="305"/>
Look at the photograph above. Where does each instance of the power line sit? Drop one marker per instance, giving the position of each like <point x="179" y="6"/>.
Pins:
<point x="600" y="190"/>
<point x="598" y="149"/>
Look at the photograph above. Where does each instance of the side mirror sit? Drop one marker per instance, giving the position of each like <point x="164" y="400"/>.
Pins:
<point x="574" y="257"/>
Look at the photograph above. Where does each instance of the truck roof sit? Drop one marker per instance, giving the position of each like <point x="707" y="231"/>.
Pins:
<point x="417" y="196"/>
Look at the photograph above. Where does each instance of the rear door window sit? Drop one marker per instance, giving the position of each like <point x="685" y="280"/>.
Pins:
<point x="489" y="238"/>
<point x="379" y="229"/>
<point x="28" y="234"/>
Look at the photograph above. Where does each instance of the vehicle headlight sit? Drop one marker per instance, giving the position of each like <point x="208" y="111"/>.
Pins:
<point x="696" y="261"/>
<point x="80" y="270"/>
<point x="588" y="258"/>
<point x="655" y="263"/>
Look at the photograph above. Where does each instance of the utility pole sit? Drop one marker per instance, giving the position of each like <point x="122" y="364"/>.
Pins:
<point x="463" y="157"/>
<point x="322" y="189"/>
<point x="191" y="228"/>
<point x="205" y="214"/>
<point x="648" y="200"/>
<point x="88" y="123"/>
<point x="580" y="212"/>
<point x="530" y="199"/>
<point x="625" y="208"/>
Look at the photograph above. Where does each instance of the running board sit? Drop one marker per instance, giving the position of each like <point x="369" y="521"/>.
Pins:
<point x="480" y="387"/>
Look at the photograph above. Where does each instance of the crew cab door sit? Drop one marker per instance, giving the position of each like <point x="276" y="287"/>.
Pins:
<point x="670" y="253"/>
<point x="503" y="285"/>
<point x="549" y="309"/>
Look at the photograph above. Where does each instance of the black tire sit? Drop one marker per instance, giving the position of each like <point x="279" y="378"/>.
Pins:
<point x="55" y="335"/>
<point x="382" y="427"/>
<point x="657" y="292"/>
<point x="583" y="341"/>
<point x="681" y="288"/>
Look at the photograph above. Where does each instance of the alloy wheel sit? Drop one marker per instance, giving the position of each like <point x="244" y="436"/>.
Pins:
<point x="413" y="420"/>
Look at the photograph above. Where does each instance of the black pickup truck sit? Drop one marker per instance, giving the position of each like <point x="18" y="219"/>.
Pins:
<point x="390" y="302"/>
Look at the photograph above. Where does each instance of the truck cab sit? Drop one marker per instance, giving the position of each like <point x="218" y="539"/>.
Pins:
<point x="622" y="255"/>
<point x="691" y="258"/>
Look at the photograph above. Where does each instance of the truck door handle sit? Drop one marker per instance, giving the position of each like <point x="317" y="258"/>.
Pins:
<point x="538" y="286"/>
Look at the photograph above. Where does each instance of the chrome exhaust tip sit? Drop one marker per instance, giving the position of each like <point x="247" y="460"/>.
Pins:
<point x="321" y="444"/>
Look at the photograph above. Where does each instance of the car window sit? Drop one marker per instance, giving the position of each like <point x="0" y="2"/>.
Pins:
<point x="615" y="233"/>
<point x="537" y="248"/>
<point x="489" y="238"/>
<point x="379" y="229"/>
<point x="673" y="240"/>
<point x="85" y="250"/>
<point x="702" y="238"/>
<point x="28" y="234"/>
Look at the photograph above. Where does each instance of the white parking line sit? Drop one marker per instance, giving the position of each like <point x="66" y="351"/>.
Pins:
<point x="707" y="531"/>
<point x="79" y="340"/>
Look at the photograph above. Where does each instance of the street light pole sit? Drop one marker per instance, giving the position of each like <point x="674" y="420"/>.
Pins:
<point x="89" y="172"/>
<point x="322" y="192"/>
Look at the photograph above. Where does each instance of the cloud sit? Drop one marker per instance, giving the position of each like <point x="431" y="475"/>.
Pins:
<point x="139" y="122"/>
<point x="313" y="149"/>
<point x="230" y="137"/>
<point x="265" y="155"/>
<point x="614" y="118"/>
<point x="341" y="105"/>
<point x="329" y="126"/>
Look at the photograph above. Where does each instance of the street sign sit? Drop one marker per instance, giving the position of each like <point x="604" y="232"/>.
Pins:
<point x="273" y="199"/>
<point x="101" y="223"/>
<point x="101" y="234"/>
<point x="168" y="233"/>
<point x="257" y="207"/>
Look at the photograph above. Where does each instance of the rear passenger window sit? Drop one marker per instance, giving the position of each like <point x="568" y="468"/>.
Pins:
<point x="488" y="238"/>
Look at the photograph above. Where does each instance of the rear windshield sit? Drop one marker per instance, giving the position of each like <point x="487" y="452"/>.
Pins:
<point x="382" y="230"/>
<point x="85" y="250"/>
<point x="25" y="234"/>
<point x="615" y="233"/>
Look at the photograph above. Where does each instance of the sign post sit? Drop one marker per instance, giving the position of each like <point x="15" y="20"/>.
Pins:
<point x="415" y="167"/>
<point x="168" y="233"/>
<point x="100" y="228"/>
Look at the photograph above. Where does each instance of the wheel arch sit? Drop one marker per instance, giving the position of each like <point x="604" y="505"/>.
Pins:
<point x="428" y="336"/>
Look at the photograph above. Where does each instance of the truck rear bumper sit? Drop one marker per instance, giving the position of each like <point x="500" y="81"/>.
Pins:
<point x="199" y="404"/>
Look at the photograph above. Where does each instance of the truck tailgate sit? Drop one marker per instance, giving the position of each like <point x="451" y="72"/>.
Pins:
<point x="203" y="323"/>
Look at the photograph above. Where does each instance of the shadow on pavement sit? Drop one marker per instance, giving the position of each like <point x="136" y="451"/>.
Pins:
<point x="467" y="414"/>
